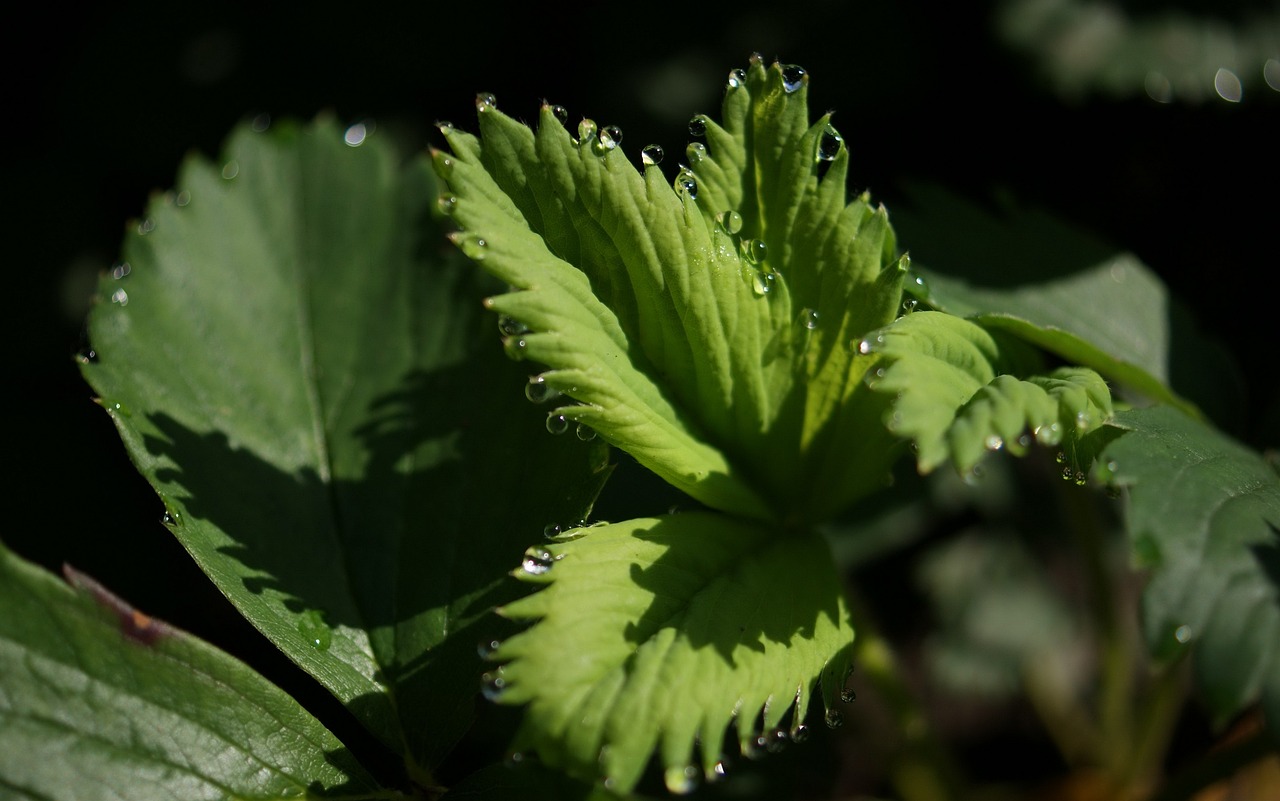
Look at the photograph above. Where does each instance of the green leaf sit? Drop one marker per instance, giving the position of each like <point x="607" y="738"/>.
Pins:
<point x="655" y="634"/>
<point x="1203" y="515"/>
<point x="704" y="328"/>
<point x="100" y="701"/>
<point x="957" y="392"/>
<point x="297" y="361"/>
<point x="1056" y="286"/>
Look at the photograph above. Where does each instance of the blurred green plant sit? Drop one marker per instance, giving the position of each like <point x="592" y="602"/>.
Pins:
<point x="297" y="360"/>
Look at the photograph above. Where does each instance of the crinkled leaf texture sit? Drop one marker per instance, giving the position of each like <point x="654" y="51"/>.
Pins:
<point x="99" y="701"/>
<point x="707" y="328"/>
<point x="296" y="359"/>
<point x="957" y="392"/>
<point x="1203" y="514"/>
<point x="659" y="633"/>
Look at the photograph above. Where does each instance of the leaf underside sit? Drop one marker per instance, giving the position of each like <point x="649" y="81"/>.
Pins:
<point x="297" y="362"/>
<point x="957" y="392"/>
<point x="1203" y="515"/>
<point x="657" y="634"/>
<point x="99" y="701"/>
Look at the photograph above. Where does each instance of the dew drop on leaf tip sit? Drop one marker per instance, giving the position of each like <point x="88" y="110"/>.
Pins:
<point x="586" y="131"/>
<point x="737" y="78"/>
<point x="834" y="718"/>
<point x="829" y="144"/>
<point x="681" y="780"/>
<point x="560" y="113"/>
<point x="610" y="137"/>
<point x="687" y="185"/>
<point x="809" y="319"/>
<point x="487" y="648"/>
<point x="536" y="563"/>
<point x="793" y="77"/>
<point x="695" y="152"/>
<point x="492" y="684"/>
<point x="485" y="101"/>
<point x="730" y="222"/>
<point x="651" y="155"/>
<point x="557" y="423"/>
<point x="120" y="269"/>
<point x="698" y="126"/>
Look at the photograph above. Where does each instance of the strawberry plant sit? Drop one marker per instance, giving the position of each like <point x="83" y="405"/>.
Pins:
<point x="298" y="350"/>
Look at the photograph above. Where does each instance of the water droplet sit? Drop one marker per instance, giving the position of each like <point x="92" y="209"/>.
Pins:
<point x="443" y="163"/>
<point x="686" y="184"/>
<point x="1083" y="420"/>
<point x="1081" y="478"/>
<point x="698" y="126"/>
<point x="355" y="134"/>
<point x="231" y="169"/>
<point x="681" y="780"/>
<point x="88" y="356"/>
<point x="492" y="684"/>
<point x="695" y="152"/>
<point x="1049" y="435"/>
<point x="829" y="144"/>
<point x="537" y="562"/>
<point x="448" y="204"/>
<point x="834" y="718"/>
<point x="737" y="77"/>
<point x="314" y="631"/>
<point x="513" y="759"/>
<point x="993" y="442"/>
<point x="261" y="123"/>
<point x="755" y="58"/>
<point x="754" y="250"/>
<point x="610" y="137"/>
<point x="120" y="269"/>
<point x="1182" y="634"/>
<point x="865" y="346"/>
<point x="511" y="327"/>
<point x="730" y="222"/>
<point x="485" y="101"/>
<point x="487" y="648"/>
<point x="848" y="696"/>
<point x="117" y="408"/>
<point x="908" y="305"/>
<point x="651" y="155"/>
<point x="146" y="226"/>
<point x="537" y="390"/>
<point x="515" y="348"/>
<point x="793" y="77"/>
<point x="557" y="423"/>
<point x="560" y="113"/>
<point x="120" y="297"/>
<point x="472" y="246"/>
<point x="585" y="432"/>
<point x="1067" y="473"/>
<point x="169" y="519"/>
<point x="586" y="131"/>
<point x="809" y="319"/>
<point x="759" y="282"/>
<point x="800" y="733"/>
<point x="1060" y="457"/>
<point x="551" y="531"/>
<point x="776" y="740"/>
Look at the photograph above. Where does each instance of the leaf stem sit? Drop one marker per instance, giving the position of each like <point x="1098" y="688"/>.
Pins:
<point x="924" y="769"/>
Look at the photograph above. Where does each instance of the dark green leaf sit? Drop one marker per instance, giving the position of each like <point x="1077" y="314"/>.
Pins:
<point x="100" y="701"/>
<point x="300" y="365"/>
<point x="1203" y="515"/>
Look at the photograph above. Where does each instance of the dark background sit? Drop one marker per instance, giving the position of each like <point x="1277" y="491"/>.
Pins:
<point x="103" y="104"/>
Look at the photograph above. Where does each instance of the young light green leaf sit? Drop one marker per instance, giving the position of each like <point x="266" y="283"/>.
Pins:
<point x="100" y="701"/>
<point x="705" y="328"/>
<point x="296" y="361"/>
<point x="1203" y="515"/>
<point x="656" y="634"/>
<point x="957" y="392"/>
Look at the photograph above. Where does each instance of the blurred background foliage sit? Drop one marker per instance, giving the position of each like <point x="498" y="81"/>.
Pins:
<point x="1152" y="125"/>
